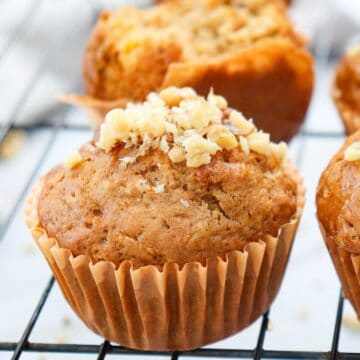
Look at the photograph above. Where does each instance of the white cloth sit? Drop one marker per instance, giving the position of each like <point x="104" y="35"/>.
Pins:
<point x="336" y="21"/>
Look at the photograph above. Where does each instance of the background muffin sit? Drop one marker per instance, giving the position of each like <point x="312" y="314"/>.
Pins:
<point x="346" y="89"/>
<point x="246" y="51"/>
<point x="180" y="216"/>
<point x="338" y="204"/>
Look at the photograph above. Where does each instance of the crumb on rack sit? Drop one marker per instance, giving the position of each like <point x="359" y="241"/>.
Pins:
<point x="303" y="315"/>
<point x="127" y="160"/>
<point x="28" y="248"/>
<point x="61" y="338"/>
<point x="66" y="321"/>
<point x="12" y="144"/>
<point x="352" y="153"/>
<point x="351" y="322"/>
<point x="72" y="160"/>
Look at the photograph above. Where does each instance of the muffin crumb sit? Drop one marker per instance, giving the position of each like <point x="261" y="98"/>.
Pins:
<point x="158" y="189"/>
<point x="185" y="203"/>
<point x="141" y="184"/>
<point x="351" y="322"/>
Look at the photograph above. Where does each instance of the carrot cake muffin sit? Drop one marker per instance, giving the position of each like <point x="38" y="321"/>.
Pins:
<point x="175" y="196"/>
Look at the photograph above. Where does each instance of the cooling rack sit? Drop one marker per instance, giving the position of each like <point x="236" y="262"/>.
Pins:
<point x="56" y="126"/>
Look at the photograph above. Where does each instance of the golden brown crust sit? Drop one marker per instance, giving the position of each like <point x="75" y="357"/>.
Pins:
<point x="110" y="213"/>
<point x="105" y="77"/>
<point x="338" y="200"/>
<point x="346" y="90"/>
<point x="270" y="63"/>
<point x="255" y="80"/>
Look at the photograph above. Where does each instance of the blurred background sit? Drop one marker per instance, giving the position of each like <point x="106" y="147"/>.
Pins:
<point x="41" y="45"/>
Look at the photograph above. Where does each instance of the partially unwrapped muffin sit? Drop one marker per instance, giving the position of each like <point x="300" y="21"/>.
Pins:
<point x="245" y="50"/>
<point x="346" y="89"/>
<point x="187" y="211"/>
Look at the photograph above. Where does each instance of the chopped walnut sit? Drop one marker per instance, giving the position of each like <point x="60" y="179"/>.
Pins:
<point x="239" y="121"/>
<point x="115" y="127"/>
<point x="151" y="123"/>
<point x="185" y="126"/>
<point x="279" y="151"/>
<point x="259" y="142"/>
<point x="222" y="136"/>
<point x="217" y="100"/>
<point x="185" y="203"/>
<point x="173" y="95"/>
<point x="244" y="145"/>
<point x="164" y="146"/>
<point x="176" y="154"/>
<point x="198" y="150"/>
<point x="352" y="153"/>
<point x="72" y="160"/>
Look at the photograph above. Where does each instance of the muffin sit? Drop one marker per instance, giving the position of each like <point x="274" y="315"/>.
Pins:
<point x="245" y="50"/>
<point x="338" y="199"/>
<point x="172" y="228"/>
<point x="346" y="89"/>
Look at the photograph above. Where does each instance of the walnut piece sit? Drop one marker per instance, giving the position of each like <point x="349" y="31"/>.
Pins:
<point x="352" y="153"/>
<point x="186" y="127"/>
<point x="72" y="160"/>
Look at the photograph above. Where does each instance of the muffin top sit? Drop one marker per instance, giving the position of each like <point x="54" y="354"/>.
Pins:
<point x="200" y="27"/>
<point x="131" y="40"/>
<point x="178" y="178"/>
<point x="338" y="196"/>
<point x="346" y="90"/>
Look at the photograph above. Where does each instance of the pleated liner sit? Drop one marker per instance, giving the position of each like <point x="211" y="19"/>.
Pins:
<point x="173" y="308"/>
<point x="347" y="266"/>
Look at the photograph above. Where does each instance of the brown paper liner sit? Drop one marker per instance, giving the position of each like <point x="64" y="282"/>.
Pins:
<point x="173" y="308"/>
<point x="347" y="266"/>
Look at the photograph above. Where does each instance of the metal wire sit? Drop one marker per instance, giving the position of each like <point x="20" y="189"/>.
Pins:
<point x="337" y="328"/>
<point x="24" y="338"/>
<point x="106" y="348"/>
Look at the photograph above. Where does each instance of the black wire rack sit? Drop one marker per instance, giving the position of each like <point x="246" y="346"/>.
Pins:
<point x="105" y="348"/>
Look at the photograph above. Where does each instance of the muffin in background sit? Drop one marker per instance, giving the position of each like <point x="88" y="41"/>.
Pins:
<point x="172" y="229"/>
<point x="247" y="51"/>
<point x="338" y="212"/>
<point x="346" y="89"/>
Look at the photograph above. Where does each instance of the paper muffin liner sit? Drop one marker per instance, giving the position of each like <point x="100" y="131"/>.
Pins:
<point x="173" y="308"/>
<point x="347" y="266"/>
